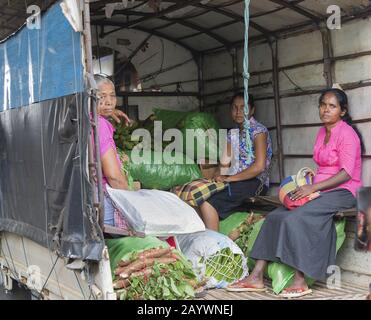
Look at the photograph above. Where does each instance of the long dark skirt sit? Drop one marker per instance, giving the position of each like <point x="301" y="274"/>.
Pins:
<point x="304" y="238"/>
<point x="230" y="199"/>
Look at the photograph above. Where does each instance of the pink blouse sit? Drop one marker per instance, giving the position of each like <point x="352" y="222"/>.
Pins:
<point x="106" y="141"/>
<point x="343" y="151"/>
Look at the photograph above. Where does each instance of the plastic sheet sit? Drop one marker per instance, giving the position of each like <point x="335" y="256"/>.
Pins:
<point x="156" y="213"/>
<point x="41" y="64"/>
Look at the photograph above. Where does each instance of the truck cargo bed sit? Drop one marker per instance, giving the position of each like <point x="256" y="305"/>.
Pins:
<point x="320" y="292"/>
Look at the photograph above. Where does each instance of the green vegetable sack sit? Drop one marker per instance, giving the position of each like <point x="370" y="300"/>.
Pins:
<point x="163" y="176"/>
<point x="148" y="269"/>
<point x="192" y="120"/>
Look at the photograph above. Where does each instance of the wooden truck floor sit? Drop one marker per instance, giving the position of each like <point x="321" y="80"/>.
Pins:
<point x="320" y="292"/>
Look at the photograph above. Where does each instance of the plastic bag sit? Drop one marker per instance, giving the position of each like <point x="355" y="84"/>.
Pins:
<point x="157" y="213"/>
<point x="142" y="277"/>
<point x="192" y="120"/>
<point x="213" y="253"/>
<point x="163" y="176"/>
<point x="125" y="248"/>
<point x="170" y="118"/>
<point x="209" y="146"/>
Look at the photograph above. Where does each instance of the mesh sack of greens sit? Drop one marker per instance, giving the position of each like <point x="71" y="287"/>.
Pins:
<point x="215" y="258"/>
<point x="148" y="269"/>
<point x="155" y="173"/>
<point x="281" y="274"/>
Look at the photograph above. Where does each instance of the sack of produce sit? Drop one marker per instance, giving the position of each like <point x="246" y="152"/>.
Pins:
<point x="163" y="176"/>
<point x="215" y="258"/>
<point x="148" y="269"/>
<point x="155" y="212"/>
<point x="205" y="143"/>
<point x="170" y="118"/>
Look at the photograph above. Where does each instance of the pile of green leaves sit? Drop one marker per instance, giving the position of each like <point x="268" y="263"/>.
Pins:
<point x="175" y="281"/>
<point x="225" y="265"/>
<point x="239" y="227"/>
<point x="245" y="230"/>
<point x="123" y="135"/>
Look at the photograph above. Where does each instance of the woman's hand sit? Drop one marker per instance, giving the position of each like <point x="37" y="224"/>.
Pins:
<point x="303" y="191"/>
<point x="117" y="114"/>
<point x="221" y="178"/>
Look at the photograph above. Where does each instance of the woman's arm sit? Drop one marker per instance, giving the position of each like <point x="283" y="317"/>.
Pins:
<point x="260" y="145"/>
<point x="112" y="171"/>
<point x="225" y="161"/>
<point x="330" y="183"/>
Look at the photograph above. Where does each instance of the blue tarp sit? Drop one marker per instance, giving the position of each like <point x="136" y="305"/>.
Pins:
<point x="37" y="65"/>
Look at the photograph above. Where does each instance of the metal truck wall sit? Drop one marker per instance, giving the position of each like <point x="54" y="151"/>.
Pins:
<point x="44" y="128"/>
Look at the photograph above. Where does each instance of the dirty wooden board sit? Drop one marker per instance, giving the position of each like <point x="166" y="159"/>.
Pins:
<point x="348" y="291"/>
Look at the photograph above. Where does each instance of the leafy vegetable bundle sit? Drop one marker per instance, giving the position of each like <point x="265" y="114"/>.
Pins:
<point x="242" y="225"/>
<point x="150" y="273"/>
<point x="224" y="266"/>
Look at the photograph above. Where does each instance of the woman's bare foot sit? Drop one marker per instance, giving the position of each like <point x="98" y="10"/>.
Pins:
<point x="254" y="282"/>
<point x="298" y="282"/>
<point x="298" y="287"/>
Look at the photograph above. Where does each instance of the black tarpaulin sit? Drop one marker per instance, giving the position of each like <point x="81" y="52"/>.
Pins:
<point x="45" y="193"/>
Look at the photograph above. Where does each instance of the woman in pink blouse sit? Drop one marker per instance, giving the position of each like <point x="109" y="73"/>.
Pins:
<point x="305" y="238"/>
<point x="111" y="164"/>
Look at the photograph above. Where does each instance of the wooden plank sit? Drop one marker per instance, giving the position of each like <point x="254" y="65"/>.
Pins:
<point x="320" y="292"/>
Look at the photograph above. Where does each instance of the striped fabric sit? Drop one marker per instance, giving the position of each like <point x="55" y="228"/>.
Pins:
<point x="198" y="191"/>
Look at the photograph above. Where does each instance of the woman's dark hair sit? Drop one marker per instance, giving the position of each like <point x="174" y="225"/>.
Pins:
<point x="342" y="98"/>
<point x="242" y="95"/>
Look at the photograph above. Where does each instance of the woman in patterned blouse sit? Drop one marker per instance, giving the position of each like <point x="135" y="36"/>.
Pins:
<point x="245" y="173"/>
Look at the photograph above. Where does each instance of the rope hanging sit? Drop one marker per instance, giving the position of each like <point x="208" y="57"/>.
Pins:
<point x="246" y="76"/>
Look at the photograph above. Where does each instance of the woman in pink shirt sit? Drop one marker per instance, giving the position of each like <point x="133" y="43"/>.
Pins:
<point x="305" y="238"/>
<point x="111" y="164"/>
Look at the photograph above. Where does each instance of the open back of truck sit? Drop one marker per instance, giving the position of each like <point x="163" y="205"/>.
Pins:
<point x="51" y="240"/>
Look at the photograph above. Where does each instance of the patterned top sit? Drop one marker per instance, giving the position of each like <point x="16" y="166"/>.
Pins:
<point x="238" y="144"/>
